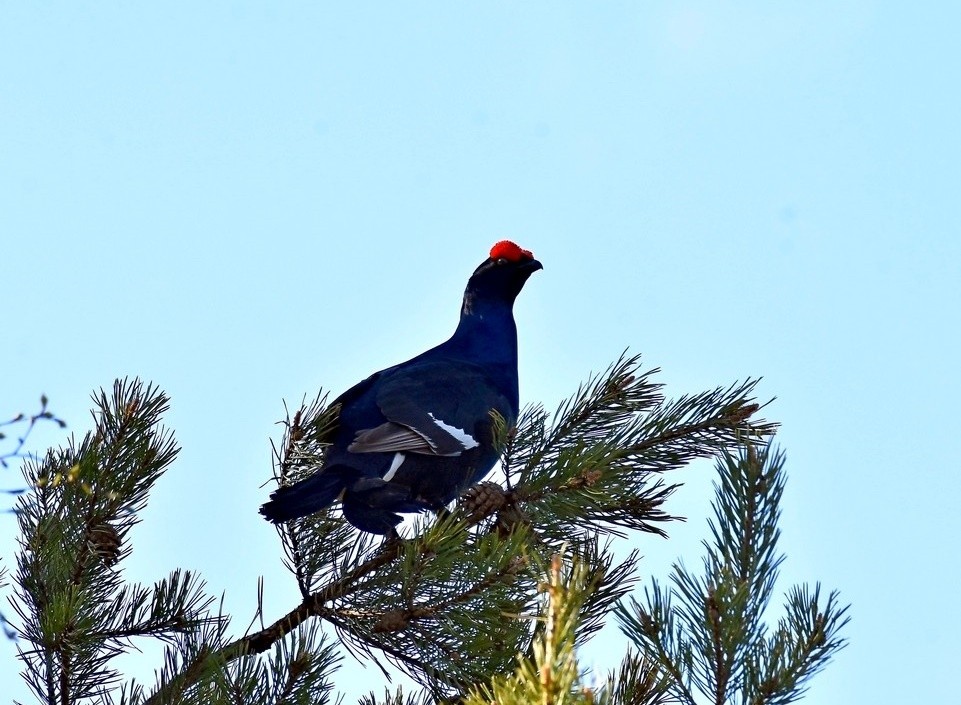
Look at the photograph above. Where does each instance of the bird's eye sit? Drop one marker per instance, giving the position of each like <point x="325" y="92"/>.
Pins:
<point x="501" y="260"/>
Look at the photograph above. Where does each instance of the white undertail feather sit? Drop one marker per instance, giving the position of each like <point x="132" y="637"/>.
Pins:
<point x="394" y="465"/>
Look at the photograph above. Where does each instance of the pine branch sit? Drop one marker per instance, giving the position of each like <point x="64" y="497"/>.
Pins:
<point x="804" y="642"/>
<point x="551" y="674"/>
<point x="397" y="698"/>
<point x="440" y="606"/>
<point x="326" y="556"/>
<point x="296" y="672"/>
<point x="73" y="527"/>
<point x="410" y="636"/>
<point x="199" y="663"/>
<point x="714" y="639"/>
<point x="19" y="453"/>
<point x="597" y="465"/>
<point x="653" y="629"/>
<point x="638" y="681"/>
<point x="589" y="471"/>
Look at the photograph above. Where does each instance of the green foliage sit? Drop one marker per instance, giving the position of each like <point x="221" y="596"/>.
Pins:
<point x="597" y="464"/>
<point x="551" y="674"/>
<point x="706" y="631"/>
<point x="16" y="449"/>
<point x="589" y="472"/>
<point x="638" y="681"/>
<point x="76" y="612"/>
<point x="477" y="604"/>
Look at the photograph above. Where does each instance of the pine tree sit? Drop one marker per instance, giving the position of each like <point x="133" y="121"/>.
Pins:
<point x="487" y="602"/>
<point x="705" y="633"/>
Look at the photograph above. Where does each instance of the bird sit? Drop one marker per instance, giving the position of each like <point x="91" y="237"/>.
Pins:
<point x="412" y="437"/>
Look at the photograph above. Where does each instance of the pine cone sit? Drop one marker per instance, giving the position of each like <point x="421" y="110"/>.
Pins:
<point x="105" y="542"/>
<point x="484" y="499"/>
<point x="509" y="518"/>
<point x="392" y="621"/>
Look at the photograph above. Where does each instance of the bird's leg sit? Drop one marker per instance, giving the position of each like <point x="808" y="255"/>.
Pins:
<point x="393" y="542"/>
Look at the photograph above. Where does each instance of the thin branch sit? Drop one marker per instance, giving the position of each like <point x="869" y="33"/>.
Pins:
<point x="43" y="415"/>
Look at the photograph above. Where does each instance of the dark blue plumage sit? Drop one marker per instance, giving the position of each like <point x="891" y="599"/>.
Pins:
<point x="414" y="436"/>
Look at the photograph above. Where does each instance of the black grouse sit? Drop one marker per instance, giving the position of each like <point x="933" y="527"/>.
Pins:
<point x="414" y="436"/>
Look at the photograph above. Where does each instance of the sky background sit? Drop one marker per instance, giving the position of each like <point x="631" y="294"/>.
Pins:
<point x="245" y="202"/>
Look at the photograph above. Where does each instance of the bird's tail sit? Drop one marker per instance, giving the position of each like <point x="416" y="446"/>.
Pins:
<point x="305" y="497"/>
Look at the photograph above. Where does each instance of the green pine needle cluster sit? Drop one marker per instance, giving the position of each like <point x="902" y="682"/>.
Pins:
<point x="76" y="612"/>
<point x="487" y="602"/>
<point x="705" y="631"/>
<point x="551" y="673"/>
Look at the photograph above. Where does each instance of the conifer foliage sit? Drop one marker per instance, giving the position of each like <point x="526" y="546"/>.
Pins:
<point x="486" y="602"/>
<point x="705" y="632"/>
<point x="15" y="448"/>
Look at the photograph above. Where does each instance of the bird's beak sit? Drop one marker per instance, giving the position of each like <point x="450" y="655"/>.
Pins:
<point x="533" y="266"/>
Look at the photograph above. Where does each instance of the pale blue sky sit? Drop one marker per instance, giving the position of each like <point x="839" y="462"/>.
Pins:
<point x="245" y="202"/>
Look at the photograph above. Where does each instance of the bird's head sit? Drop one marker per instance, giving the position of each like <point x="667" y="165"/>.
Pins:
<point x="501" y="276"/>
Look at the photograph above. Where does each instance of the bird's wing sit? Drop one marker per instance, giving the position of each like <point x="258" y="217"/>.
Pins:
<point x="429" y="408"/>
<point x="389" y="437"/>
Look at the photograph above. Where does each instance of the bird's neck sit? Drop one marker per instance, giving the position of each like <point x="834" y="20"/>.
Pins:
<point x="487" y="333"/>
